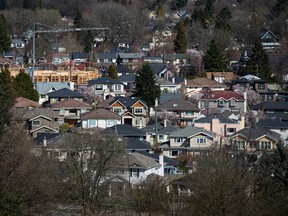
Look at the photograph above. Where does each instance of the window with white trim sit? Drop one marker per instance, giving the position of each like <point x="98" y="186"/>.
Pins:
<point x="174" y="153"/>
<point x="117" y="110"/>
<point x="138" y="110"/>
<point x="117" y="87"/>
<point x="221" y="102"/>
<point x="201" y="140"/>
<point x="265" y="145"/>
<point x="92" y="123"/>
<point x="99" y="87"/>
<point x="239" y="144"/>
<point x="111" y="123"/>
<point x="232" y="102"/>
<point x="36" y="123"/>
<point x="138" y="121"/>
<point x="178" y="139"/>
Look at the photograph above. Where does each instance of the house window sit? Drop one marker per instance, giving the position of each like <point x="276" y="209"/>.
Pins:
<point x="161" y="137"/>
<point x="134" y="172"/>
<point x="138" y="121"/>
<point x="138" y="110"/>
<point x="178" y="139"/>
<point x="232" y="103"/>
<point x="221" y="103"/>
<point x="92" y="123"/>
<point x="56" y="120"/>
<point x="261" y="86"/>
<point x="174" y="153"/>
<point x="269" y="111"/>
<point x="111" y="123"/>
<point x="43" y="96"/>
<point x="117" y="110"/>
<point x="265" y="145"/>
<point x="117" y="87"/>
<point x="201" y="140"/>
<point x="239" y="144"/>
<point x="99" y="87"/>
<point x="189" y="113"/>
<point x="36" y="122"/>
<point x="231" y="130"/>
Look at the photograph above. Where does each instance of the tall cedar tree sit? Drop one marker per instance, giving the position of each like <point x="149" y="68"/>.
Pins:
<point x="214" y="59"/>
<point x="181" y="41"/>
<point x="24" y="87"/>
<point x="223" y="18"/>
<point x="88" y="41"/>
<point x="146" y="86"/>
<point x="258" y="62"/>
<point x="5" y="41"/>
<point x="78" y="20"/>
<point x="112" y="72"/>
<point x="7" y="98"/>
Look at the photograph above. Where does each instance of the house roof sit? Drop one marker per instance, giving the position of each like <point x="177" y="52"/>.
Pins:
<point x="163" y="82"/>
<point x="32" y="113"/>
<point x="65" y="93"/>
<point x="45" y="87"/>
<point x="173" y="57"/>
<point x="123" y="70"/>
<point x="22" y="102"/>
<point x="254" y="134"/>
<point x="203" y="82"/>
<point x="142" y="161"/>
<point x="48" y="136"/>
<point x="272" y="124"/>
<point x="104" y="81"/>
<point x="272" y="105"/>
<point x="164" y="97"/>
<point x="130" y="55"/>
<point x="127" y="102"/>
<point x="222" y="119"/>
<point x="160" y="128"/>
<point x="125" y="130"/>
<point x="191" y="131"/>
<point x="100" y="113"/>
<point x="225" y="95"/>
<point x="105" y="103"/>
<point x="167" y="160"/>
<point x="157" y="68"/>
<point x="107" y="55"/>
<point x="137" y="144"/>
<point x="229" y="76"/>
<point x="71" y="103"/>
<point x="79" y="55"/>
<point x="127" y="78"/>
<point x="178" y="105"/>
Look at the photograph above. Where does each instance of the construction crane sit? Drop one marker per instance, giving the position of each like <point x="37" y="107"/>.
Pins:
<point x="50" y="29"/>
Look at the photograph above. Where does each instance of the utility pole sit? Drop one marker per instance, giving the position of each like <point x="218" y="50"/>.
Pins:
<point x="53" y="30"/>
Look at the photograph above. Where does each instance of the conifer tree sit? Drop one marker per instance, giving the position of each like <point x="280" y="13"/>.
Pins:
<point x="78" y="19"/>
<point x="223" y="18"/>
<point x="209" y="8"/>
<point x="5" y="41"/>
<point x="258" y="62"/>
<point x="7" y="98"/>
<point x="88" y="41"/>
<point x="24" y="86"/>
<point x="112" y="72"/>
<point x="181" y="41"/>
<point x="214" y="59"/>
<point x="146" y="86"/>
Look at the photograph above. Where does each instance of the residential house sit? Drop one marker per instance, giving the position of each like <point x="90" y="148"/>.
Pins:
<point x="219" y="101"/>
<point x="161" y="70"/>
<point x="123" y="70"/>
<point x="200" y="84"/>
<point x="275" y="110"/>
<point x="166" y="96"/>
<point x="60" y="58"/>
<point x="70" y="111"/>
<point x="58" y="48"/>
<point x="159" y="131"/>
<point x="192" y="140"/>
<point x="175" y="60"/>
<point x="269" y="41"/>
<point x="166" y="85"/>
<point x="39" y="120"/>
<point x="134" y="144"/>
<point x="22" y="102"/>
<point x="100" y="117"/>
<point x="43" y="88"/>
<point x="278" y="126"/>
<point x="222" y="126"/>
<point x="153" y="59"/>
<point x="133" y="111"/>
<point x="178" y="15"/>
<point x="186" y="111"/>
<point x="106" y="87"/>
<point x="79" y="58"/>
<point x="129" y="81"/>
<point x="130" y="60"/>
<point x="64" y="94"/>
<point x="254" y="140"/>
<point x="17" y="43"/>
<point x="106" y="58"/>
<point x="221" y="77"/>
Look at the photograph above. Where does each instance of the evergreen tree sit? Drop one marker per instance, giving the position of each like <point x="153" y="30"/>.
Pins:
<point x="112" y="72"/>
<point x="181" y="41"/>
<point x="258" y="62"/>
<point x="146" y="86"/>
<point x="214" y="59"/>
<point x="209" y="8"/>
<point x="24" y="86"/>
<point x="78" y="20"/>
<point x="223" y="18"/>
<point x="7" y="99"/>
<point x="5" y="40"/>
<point x="88" y="41"/>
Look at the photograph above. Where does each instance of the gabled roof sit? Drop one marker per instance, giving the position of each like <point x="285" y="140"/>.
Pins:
<point x="105" y="103"/>
<point x="127" y="102"/>
<point x="125" y="130"/>
<point x="203" y="82"/>
<point x="137" y="144"/>
<point x="173" y="57"/>
<point x="44" y="126"/>
<point x="157" y="68"/>
<point x="79" y="55"/>
<point x="164" y="97"/>
<point x="222" y="119"/>
<point x="272" y="124"/>
<point x="65" y="93"/>
<point x="127" y="78"/>
<point x="190" y="132"/>
<point x="224" y="95"/>
<point x="272" y="105"/>
<point x="167" y="160"/>
<point x="107" y="55"/>
<point x="100" y="114"/>
<point x="39" y="139"/>
<point x="178" y="105"/>
<point x="253" y="134"/>
<point x="160" y="128"/>
<point x="45" y="87"/>
<point x="71" y="103"/>
<point x="22" y="102"/>
<point x="130" y="55"/>
<point x="123" y="70"/>
<point x="141" y="161"/>
<point x="32" y="113"/>
<point x="104" y="81"/>
<point x="163" y="82"/>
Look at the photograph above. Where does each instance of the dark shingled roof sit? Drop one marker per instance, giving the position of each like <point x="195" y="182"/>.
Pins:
<point x="222" y="119"/>
<point x="137" y="144"/>
<point x="127" y="102"/>
<point x="65" y="93"/>
<point x="255" y="133"/>
<point x="178" y="105"/>
<point x="125" y="130"/>
<point x="100" y="113"/>
<point x="272" y="124"/>
<point x="272" y="105"/>
<point x="160" y="128"/>
<point x="104" y="80"/>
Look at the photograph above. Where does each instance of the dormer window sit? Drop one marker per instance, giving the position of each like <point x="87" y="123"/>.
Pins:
<point x="221" y="102"/>
<point x="232" y="102"/>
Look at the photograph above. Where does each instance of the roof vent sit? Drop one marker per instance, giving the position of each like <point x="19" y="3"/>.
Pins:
<point x="175" y="105"/>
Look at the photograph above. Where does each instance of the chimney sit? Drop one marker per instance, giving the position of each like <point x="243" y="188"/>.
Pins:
<point x="161" y="162"/>
<point x="245" y="102"/>
<point x="44" y="142"/>
<point x="242" y="121"/>
<point x="165" y="123"/>
<point x="185" y="82"/>
<point x="215" y="125"/>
